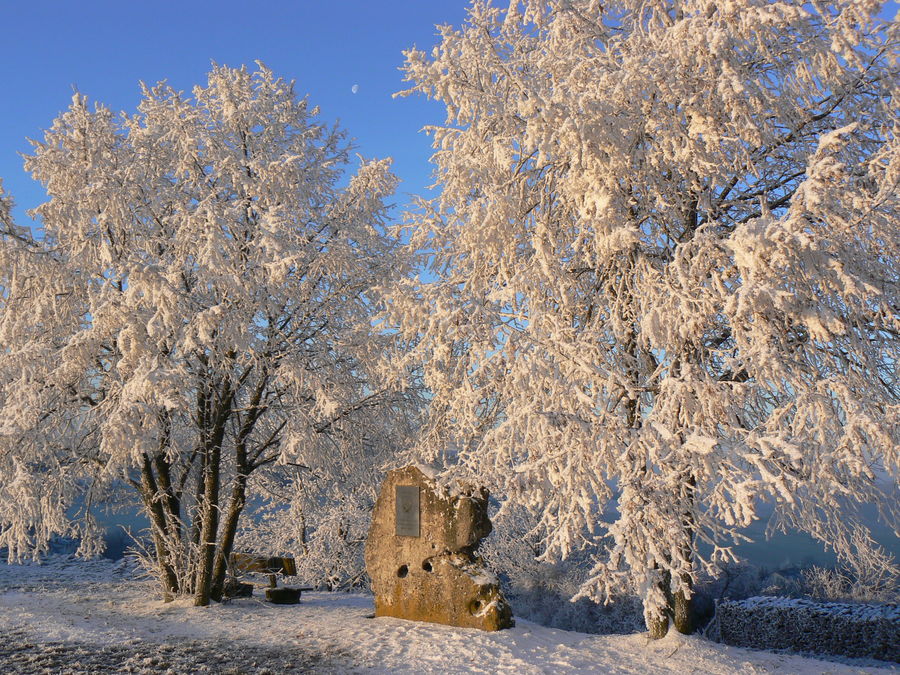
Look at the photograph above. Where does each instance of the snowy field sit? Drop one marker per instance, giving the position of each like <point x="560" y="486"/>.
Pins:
<point x="68" y="616"/>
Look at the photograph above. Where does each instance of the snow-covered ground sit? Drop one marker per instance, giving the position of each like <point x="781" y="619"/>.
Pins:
<point x="69" y="616"/>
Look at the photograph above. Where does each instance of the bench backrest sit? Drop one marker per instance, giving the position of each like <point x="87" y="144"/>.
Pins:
<point x="247" y="562"/>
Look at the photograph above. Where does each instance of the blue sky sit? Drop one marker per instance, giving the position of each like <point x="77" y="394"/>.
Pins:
<point x="104" y="48"/>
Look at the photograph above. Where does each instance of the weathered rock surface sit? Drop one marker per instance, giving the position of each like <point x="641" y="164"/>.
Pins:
<point x="436" y="575"/>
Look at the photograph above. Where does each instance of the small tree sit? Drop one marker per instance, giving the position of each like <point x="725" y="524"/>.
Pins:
<point x="193" y="319"/>
<point x="667" y="248"/>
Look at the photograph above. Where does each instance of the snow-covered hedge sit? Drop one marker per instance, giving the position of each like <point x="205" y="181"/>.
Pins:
<point x="862" y="631"/>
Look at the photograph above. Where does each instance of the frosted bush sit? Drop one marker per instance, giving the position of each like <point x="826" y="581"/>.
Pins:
<point x="333" y="558"/>
<point x="542" y="591"/>
<point x="842" y="585"/>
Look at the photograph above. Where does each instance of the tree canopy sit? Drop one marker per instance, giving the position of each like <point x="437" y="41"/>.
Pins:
<point x="666" y="253"/>
<point x="193" y="318"/>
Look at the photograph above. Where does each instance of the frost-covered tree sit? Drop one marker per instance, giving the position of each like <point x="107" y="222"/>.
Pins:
<point x="193" y="320"/>
<point x="664" y="262"/>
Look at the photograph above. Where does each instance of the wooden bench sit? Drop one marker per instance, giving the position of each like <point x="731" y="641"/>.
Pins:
<point x="247" y="562"/>
<point x="273" y="565"/>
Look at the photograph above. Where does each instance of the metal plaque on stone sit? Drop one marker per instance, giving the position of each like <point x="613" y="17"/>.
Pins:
<point x="407" y="518"/>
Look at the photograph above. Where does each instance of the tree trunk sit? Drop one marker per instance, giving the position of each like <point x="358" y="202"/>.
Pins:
<point x="209" y="527"/>
<point x="304" y="549"/>
<point x="683" y="601"/>
<point x="238" y="491"/>
<point x="151" y="498"/>
<point x="683" y="609"/>
<point x="229" y="528"/>
<point x="197" y="519"/>
<point x="216" y="419"/>
<point x="170" y="499"/>
<point x="659" y="626"/>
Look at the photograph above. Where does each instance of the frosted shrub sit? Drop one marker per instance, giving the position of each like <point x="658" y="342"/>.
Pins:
<point x="735" y="580"/>
<point x="324" y="532"/>
<point x="333" y="558"/>
<point x="541" y="590"/>
<point x="874" y="577"/>
<point x="824" y="583"/>
<point x="842" y="585"/>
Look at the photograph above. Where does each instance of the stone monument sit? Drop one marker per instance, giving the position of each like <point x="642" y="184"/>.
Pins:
<point x="420" y="554"/>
